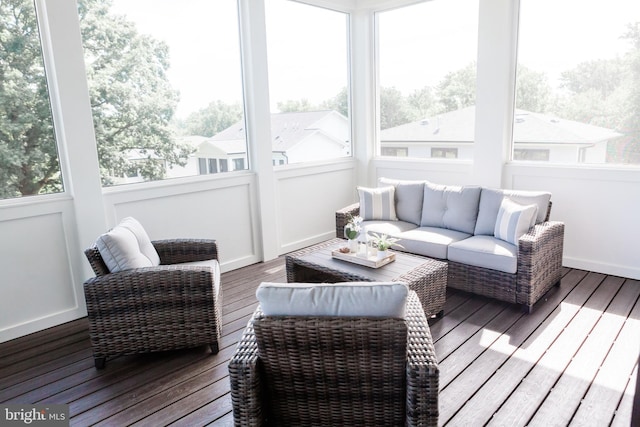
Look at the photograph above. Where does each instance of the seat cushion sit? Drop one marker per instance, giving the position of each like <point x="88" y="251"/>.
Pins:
<point x="377" y="203"/>
<point x="390" y="228"/>
<point x="352" y="299"/>
<point x="452" y="207"/>
<point x="409" y="197"/>
<point x="127" y="246"/>
<point x="486" y="252"/>
<point x="490" y="200"/>
<point x="214" y="265"/>
<point x="432" y="242"/>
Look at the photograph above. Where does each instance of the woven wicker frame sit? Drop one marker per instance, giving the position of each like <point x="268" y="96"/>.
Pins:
<point x="336" y="371"/>
<point x="539" y="265"/>
<point x="159" y="308"/>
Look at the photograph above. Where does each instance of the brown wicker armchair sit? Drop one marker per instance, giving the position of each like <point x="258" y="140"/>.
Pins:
<point x="167" y="307"/>
<point x="336" y="371"/>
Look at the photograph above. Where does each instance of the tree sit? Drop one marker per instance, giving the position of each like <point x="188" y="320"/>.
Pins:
<point x="533" y="92"/>
<point x="217" y="116"/>
<point x="28" y="153"/>
<point x="132" y="100"/>
<point x="292" y="106"/>
<point x="394" y="109"/>
<point x="422" y="103"/>
<point x="339" y="103"/>
<point x="458" y="89"/>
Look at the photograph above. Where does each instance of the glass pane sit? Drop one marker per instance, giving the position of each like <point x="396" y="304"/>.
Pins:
<point x="165" y="84"/>
<point x="578" y="82"/>
<point x="308" y="82"/>
<point x="29" y="162"/>
<point x="427" y="79"/>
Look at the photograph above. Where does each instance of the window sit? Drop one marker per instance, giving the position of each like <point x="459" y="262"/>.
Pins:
<point x="238" y="164"/>
<point x="213" y="165"/>
<point x="395" y="151"/>
<point x="29" y="162"/>
<point x="427" y="75"/>
<point x="307" y="49"/>
<point x="531" y="154"/>
<point x="578" y="82"/>
<point x="444" y="153"/>
<point x="164" y="83"/>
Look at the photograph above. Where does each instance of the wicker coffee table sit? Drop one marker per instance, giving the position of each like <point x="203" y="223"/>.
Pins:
<point x="426" y="276"/>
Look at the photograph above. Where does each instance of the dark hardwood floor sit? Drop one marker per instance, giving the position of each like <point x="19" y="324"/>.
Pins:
<point x="573" y="361"/>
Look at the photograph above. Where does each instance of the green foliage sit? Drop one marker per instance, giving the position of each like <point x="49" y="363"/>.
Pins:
<point x="28" y="153"/>
<point x="457" y="89"/>
<point x="132" y="100"/>
<point x="217" y="116"/>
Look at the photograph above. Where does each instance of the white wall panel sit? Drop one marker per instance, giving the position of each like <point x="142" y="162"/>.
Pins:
<point x="221" y="209"/>
<point x="439" y="172"/>
<point x="38" y="257"/>
<point x="307" y="199"/>
<point x="601" y="212"/>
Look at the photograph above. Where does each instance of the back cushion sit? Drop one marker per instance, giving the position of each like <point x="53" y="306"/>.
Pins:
<point x="409" y="198"/>
<point x="452" y="207"/>
<point x="360" y="299"/>
<point x="491" y="199"/>
<point x="127" y="246"/>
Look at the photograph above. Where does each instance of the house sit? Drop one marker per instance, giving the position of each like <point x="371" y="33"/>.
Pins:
<point x="296" y="137"/>
<point x="537" y="137"/>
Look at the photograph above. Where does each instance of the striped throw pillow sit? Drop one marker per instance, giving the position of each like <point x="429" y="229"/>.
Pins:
<point x="377" y="203"/>
<point x="513" y="220"/>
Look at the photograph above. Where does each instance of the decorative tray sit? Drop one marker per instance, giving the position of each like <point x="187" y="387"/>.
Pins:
<point x="368" y="261"/>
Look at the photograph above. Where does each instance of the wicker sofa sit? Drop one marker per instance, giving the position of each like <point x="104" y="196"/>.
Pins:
<point x="460" y="230"/>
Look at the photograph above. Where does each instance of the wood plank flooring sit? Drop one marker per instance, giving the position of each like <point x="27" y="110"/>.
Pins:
<point x="573" y="361"/>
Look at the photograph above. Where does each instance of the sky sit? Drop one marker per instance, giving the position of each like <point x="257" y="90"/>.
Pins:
<point x="419" y="44"/>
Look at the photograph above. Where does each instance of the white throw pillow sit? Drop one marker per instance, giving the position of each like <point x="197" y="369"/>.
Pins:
<point x="513" y="220"/>
<point x="127" y="246"/>
<point x="349" y="299"/>
<point x="377" y="203"/>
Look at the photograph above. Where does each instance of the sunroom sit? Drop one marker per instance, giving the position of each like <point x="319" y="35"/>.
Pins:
<point x="204" y="120"/>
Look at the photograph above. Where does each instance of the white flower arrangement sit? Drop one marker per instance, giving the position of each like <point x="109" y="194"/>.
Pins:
<point x="353" y="227"/>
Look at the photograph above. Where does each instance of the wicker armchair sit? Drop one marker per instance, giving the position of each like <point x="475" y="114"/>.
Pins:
<point x="336" y="371"/>
<point x="167" y="307"/>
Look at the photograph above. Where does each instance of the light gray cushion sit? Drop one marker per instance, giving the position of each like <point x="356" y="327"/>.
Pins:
<point x="390" y="228"/>
<point x="429" y="241"/>
<point x="409" y="197"/>
<point x="513" y="220"/>
<point x="353" y="299"/>
<point x="451" y="207"/>
<point x="377" y="203"/>
<point x="486" y="252"/>
<point x="127" y="246"/>
<point x="490" y="200"/>
<point x="214" y="265"/>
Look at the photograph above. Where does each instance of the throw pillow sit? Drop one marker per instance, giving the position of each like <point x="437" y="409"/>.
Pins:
<point x="514" y="220"/>
<point x="491" y="198"/>
<point x="377" y="203"/>
<point x="354" y="299"/>
<point x="127" y="246"/>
